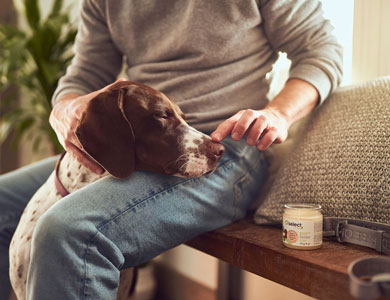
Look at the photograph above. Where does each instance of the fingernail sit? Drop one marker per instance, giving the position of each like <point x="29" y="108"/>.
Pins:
<point x="235" y="136"/>
<point x="260" y="146"/>
<point x="216" y="136"/>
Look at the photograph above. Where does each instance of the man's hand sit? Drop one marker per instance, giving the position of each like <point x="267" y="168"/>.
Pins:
<point x="65" y="118"/>
<point x="270" y="125"/>
<point x="263" y="127"/>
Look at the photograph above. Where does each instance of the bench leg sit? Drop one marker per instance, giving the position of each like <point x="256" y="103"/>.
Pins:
<point x="230" y="283"/>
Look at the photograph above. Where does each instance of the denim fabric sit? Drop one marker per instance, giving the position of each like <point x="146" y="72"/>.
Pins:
<point x="16" y="189"/>
<point x="81" y="242"/>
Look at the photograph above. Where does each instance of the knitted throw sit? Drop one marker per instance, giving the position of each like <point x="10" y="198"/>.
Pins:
<point x="341" y="158"/>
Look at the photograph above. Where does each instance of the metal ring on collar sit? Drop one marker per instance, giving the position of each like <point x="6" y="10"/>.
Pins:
<point x="369" y="278"/>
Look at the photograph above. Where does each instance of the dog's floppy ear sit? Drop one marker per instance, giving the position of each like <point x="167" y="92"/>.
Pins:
<point x="107" y="135"/>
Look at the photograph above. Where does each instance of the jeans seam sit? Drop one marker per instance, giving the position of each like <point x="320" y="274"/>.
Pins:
<point x="237" y="193"/>
<point x="83" y="295"/>
<point x="243" y="178"/>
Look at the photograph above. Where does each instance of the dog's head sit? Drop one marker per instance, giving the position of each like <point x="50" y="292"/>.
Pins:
<point x="134" y="127"/>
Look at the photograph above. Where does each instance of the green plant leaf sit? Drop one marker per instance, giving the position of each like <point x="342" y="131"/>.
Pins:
<point x="34" y="60"/>
<point x="56" y="8"/>
<point x="37" y="142"/>
<point x="8" y="31"/>
<point x="66" y="41"/>
<point x="32" y="13"/>
<point x="12" y="115"/>
<point x="57" y="147"/>
<point x="5" y="130"/>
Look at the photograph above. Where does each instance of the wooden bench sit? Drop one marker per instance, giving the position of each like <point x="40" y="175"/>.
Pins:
<point x="320" y="273"/>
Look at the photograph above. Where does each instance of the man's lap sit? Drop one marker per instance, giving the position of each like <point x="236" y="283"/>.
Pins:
<point x="16" y="189"/>
<point x="122" y="223"/>
<point x="110" y="200"/>
<point x="149" y="213"/>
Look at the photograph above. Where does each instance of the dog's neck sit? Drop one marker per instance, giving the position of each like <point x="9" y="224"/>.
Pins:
<point x="74" y="175"/>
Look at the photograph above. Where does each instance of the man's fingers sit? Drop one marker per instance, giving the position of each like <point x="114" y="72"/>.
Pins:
<point x="83" y="159"/>
<point x="257" y="129"/>
<point x="243" y="124"/>
<point x="222" y="130"/>
<point x="259" y="125"/>
<point x="226" y="127"/>
<point x="268" y="139"/>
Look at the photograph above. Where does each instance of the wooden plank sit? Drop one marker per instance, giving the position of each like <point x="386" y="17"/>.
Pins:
<point x="320" y="273"/>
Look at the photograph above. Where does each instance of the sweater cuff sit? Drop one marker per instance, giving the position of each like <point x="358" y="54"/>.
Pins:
<point x="315" y="76"/>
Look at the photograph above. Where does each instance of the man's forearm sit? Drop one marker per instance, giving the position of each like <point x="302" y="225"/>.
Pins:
<point x="60" y="105"/>
<point x="295" y="101"/>
<point x="69" y="96"/>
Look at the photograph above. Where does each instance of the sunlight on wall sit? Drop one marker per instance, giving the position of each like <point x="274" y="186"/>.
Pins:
<point x="340" y="14"/>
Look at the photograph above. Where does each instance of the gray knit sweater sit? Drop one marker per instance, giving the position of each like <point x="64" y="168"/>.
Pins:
<point x="210" y="56"/>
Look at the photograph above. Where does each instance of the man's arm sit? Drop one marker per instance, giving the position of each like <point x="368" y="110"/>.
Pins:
<point x="296" y="100"/>
<point x="299" y="29"/>
<point x="96" y="64"/>
<point x="97" y="61"/>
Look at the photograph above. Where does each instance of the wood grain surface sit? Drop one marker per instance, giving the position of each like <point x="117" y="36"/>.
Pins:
<point x="320" y="273"/>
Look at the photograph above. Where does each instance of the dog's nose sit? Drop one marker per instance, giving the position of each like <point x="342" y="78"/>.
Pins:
<point x="217" y="149"/>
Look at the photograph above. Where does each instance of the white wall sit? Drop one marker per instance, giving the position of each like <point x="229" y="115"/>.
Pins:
<point x="371" y="39"/>
<point x="340" y="14"/>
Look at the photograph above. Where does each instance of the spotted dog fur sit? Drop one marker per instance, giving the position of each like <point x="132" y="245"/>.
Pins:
<point x="73" y="176"/>
<point x="188" y="153"/>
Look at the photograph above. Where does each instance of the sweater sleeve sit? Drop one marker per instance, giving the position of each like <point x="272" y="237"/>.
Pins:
<point x="97" y="62"/>
<point x="299" y="28"/>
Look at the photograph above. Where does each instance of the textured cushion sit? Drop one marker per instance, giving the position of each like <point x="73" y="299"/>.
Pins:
<point x="341" y="158"/>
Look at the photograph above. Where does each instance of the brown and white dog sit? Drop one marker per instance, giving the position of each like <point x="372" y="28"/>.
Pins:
<point x="126" y="128"/>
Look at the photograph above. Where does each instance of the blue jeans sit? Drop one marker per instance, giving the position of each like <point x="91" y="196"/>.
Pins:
<point x="82" y="242"/>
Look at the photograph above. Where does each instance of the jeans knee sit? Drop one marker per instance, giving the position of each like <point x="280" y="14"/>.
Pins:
<point x="52" y="229"/>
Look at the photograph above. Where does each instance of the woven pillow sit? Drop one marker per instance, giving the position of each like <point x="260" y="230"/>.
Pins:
<point x="341" y="158"/>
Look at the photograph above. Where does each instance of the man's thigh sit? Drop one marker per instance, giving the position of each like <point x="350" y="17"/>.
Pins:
<point x="149" y="213"/>
<point x="17" y="187"/>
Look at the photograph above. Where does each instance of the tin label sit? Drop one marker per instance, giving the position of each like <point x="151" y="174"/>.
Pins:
<point x="304" y="233"/>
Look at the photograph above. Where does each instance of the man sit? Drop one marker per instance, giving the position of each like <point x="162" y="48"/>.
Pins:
<point x="211" y="57"/>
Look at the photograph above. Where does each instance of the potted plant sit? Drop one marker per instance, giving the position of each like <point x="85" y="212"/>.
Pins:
<point x="33" y="59"/>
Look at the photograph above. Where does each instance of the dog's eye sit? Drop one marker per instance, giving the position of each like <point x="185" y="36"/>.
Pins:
<point x="162" y="115"/>
<point x="159" y="116"/>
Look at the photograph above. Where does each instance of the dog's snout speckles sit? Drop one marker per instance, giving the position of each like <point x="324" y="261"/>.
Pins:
<point x="200" y="155"/>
